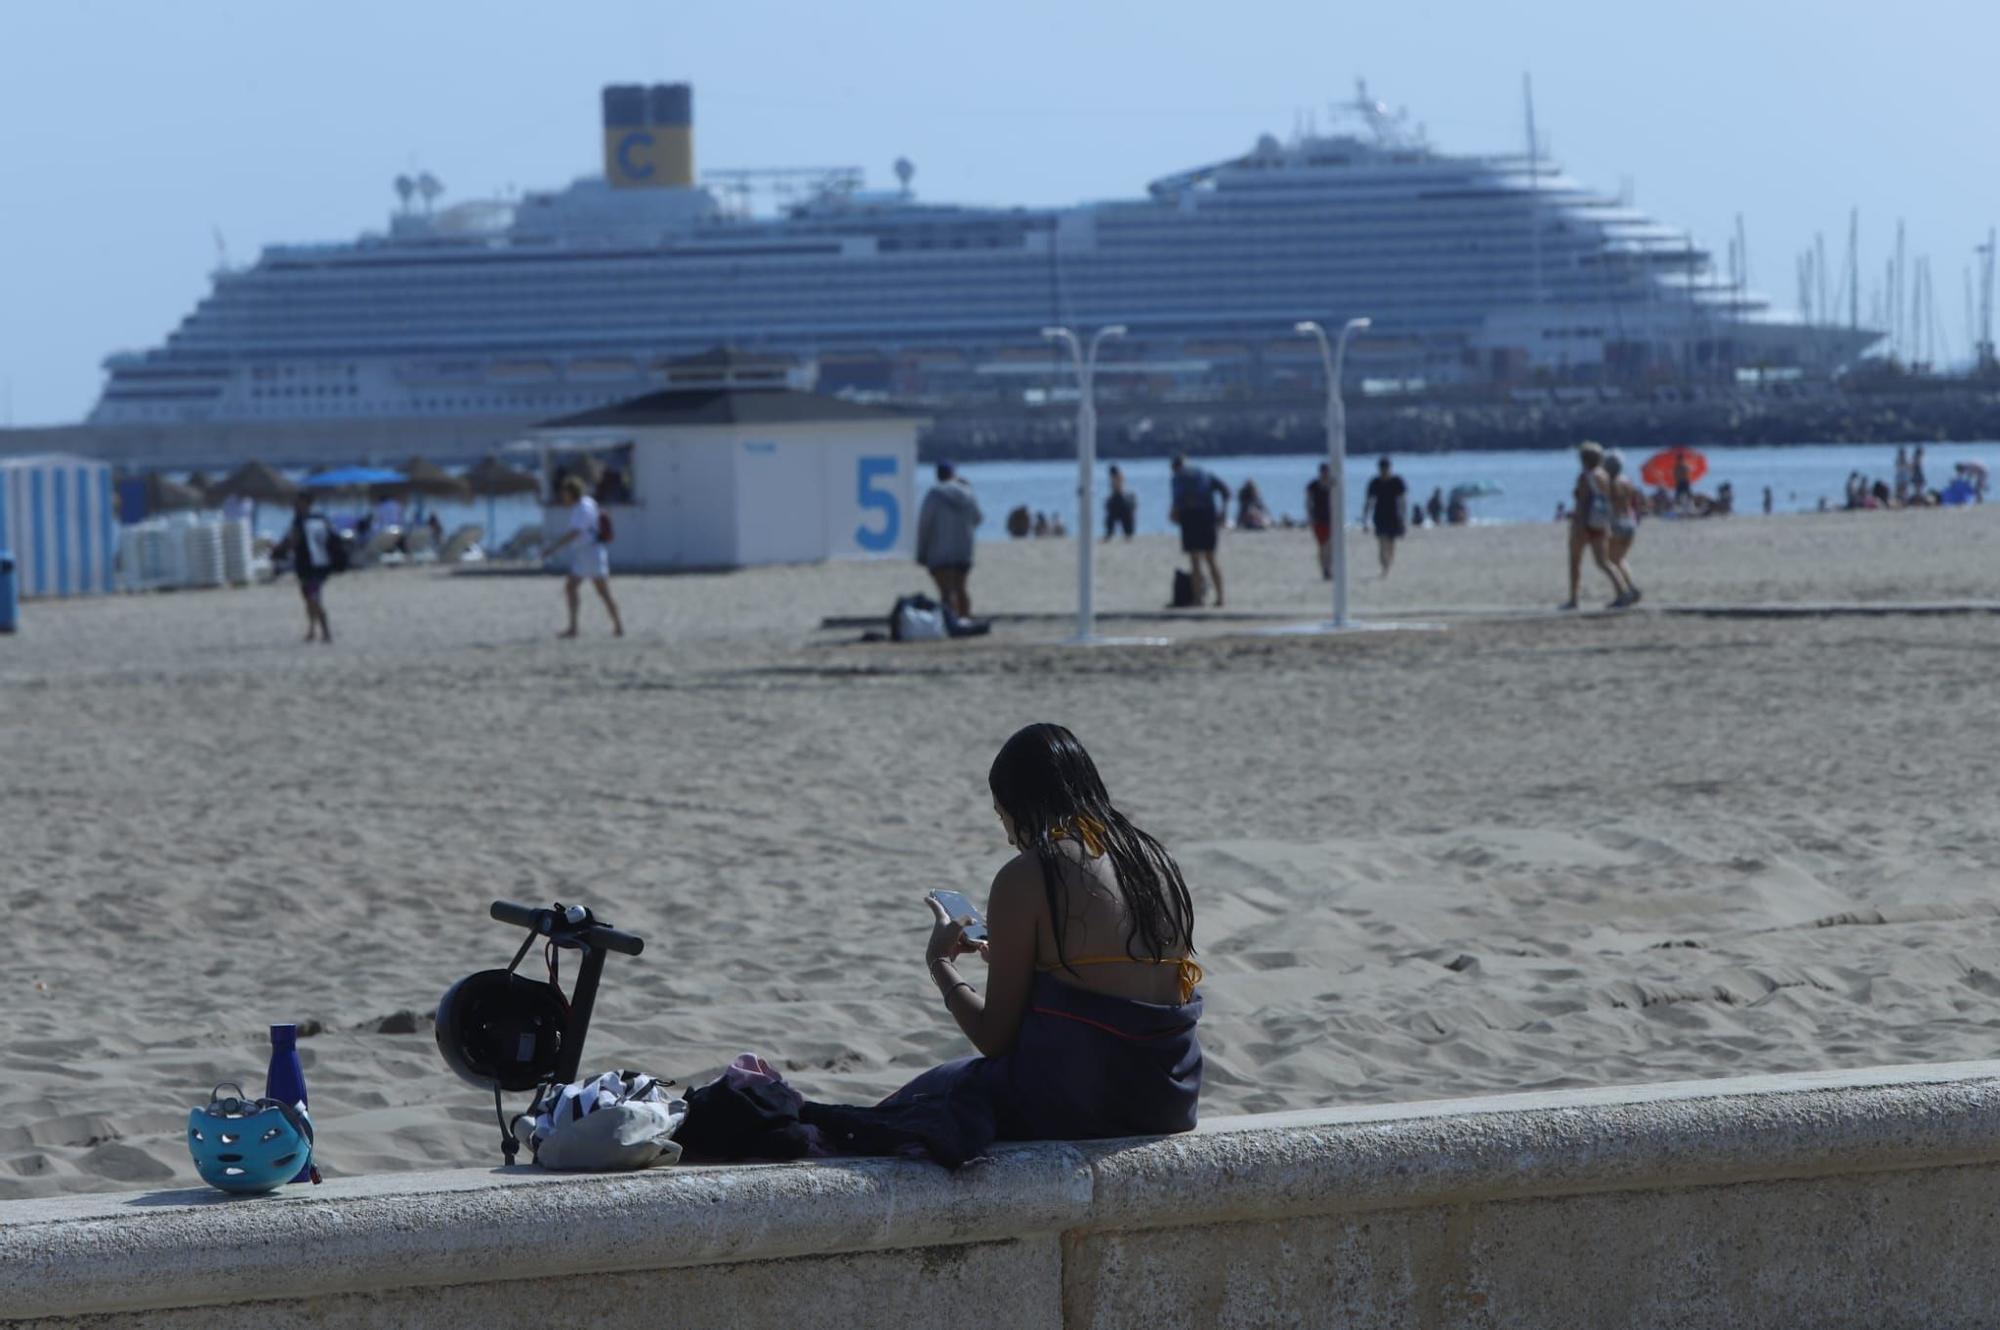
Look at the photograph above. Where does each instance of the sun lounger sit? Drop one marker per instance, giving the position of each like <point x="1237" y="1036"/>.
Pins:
<point x="381" y="548"/>
<point x="523" y="544"/>
<point x="462" y="541"/>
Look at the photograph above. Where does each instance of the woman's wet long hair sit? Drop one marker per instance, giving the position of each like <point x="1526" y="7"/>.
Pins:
<point x="1047" y="784"/>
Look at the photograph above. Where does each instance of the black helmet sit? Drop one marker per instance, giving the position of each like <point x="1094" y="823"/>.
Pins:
<point x="498" y="1028"/>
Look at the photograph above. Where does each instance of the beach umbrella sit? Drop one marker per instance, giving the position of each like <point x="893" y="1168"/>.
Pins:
<point x="166" y="496"/>
<point x="430" y="479"/>
<point x="491" y="476"/>
<point x="1474" y="489"/>
<point x="200" y="484"/>
<point x="253" y="481"/>
<point x="256" y="482"/>
<point x="1659" y="469"/>
<point x="494" y="478"/>
<point x="353" y="478"/>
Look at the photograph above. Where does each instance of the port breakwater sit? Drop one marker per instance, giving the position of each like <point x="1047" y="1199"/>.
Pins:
<point x="1261" y="425"/>
<point x="1636" y="424"/>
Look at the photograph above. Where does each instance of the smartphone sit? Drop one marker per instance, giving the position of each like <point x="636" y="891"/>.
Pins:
<point x="958" y="907"/>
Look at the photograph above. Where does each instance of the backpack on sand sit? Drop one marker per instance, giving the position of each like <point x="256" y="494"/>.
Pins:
<point x="620" y="1120"/>
<point x="1186" y="594"/>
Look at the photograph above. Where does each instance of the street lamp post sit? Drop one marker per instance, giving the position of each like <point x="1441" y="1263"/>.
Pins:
<point x="1084" y="359"/>
<point x="1333" y="356"/>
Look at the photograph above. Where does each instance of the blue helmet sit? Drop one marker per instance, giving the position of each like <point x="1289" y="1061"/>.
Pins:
<point x="248" y="1146"/>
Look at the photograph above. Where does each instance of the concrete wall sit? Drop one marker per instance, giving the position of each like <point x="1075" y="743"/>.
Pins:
<point x="1853" y="1198"/>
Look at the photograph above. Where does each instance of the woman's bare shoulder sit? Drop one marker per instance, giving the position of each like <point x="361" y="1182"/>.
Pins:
<point x="1019" y="878"/>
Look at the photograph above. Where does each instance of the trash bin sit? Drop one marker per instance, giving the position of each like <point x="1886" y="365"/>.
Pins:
<point x="10" y="593"/>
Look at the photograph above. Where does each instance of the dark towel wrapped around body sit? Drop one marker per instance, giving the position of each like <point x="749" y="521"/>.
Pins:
<point x="1086" y="1066"/>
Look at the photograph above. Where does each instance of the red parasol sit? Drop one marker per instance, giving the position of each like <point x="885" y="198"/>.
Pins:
<point x="1659" y="469"/>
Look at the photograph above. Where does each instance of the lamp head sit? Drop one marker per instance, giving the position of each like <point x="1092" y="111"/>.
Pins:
<point x="1305" y="326"/>
<point x="1359" y="324"/>
<point x="1055" y="334"/>
<point x="1115" y="330"/>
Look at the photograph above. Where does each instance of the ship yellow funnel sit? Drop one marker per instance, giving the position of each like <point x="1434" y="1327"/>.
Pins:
<point x="649" y="136"/>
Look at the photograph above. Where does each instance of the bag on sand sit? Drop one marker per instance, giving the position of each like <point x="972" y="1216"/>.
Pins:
<point x="916" y="619"/>
<point x="620" y="1120"/>
<point x="1186" y="594"/>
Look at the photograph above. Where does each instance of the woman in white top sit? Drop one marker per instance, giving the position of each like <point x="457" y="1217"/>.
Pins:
<point x="588" y="560"/>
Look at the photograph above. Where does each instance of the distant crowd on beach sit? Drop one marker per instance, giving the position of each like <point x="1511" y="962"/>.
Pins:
<point x="1198" y="503"/>
<point x="1909" y="487"/>
<point x="1602" y="516"/>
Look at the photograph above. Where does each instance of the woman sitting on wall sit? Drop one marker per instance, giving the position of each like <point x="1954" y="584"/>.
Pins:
<point x="1086" y="1027"/>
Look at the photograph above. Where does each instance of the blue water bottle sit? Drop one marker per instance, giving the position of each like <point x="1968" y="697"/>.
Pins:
<point x="286" y="1080"/>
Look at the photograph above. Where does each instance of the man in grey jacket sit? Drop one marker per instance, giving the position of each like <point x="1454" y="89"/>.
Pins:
<point x="944" y="537"/>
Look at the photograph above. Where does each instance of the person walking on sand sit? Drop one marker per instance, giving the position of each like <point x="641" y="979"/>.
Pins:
<point x="589" y="561"/>
<point x="945" y="525"/>
<point x="1319" y="512"/>
<point x="1383" y="509"/>
<point x="1121" y="507"/>
<point x="1625" y="505"/>
<point x="1590" y="524"/>
<point x="1195" y="511"/>
<point x="313" y="545"/>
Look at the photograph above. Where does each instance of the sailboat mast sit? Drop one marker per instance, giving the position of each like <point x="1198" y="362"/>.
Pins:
<point x="1984" y="357"/>
<point x="1854" y="269"/>
<point x="1534" y="181"/>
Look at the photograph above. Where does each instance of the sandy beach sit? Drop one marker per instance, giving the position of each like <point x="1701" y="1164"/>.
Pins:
<point x="1519" y="851"/>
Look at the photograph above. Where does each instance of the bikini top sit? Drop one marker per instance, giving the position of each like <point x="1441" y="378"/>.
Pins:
<point x="1089" y="833"/>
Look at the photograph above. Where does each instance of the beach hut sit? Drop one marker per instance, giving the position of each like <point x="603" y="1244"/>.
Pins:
<point x="735" y="476"/>
<point x="58" y="519"/>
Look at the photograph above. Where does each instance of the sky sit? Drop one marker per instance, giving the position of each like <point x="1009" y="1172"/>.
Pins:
<point x="140" y="142"/>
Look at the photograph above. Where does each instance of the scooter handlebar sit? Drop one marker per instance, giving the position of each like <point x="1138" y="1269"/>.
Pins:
<point x="549" y="923"/>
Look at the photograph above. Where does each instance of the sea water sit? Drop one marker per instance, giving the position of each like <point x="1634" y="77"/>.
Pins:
<point x="1531" y="484"/>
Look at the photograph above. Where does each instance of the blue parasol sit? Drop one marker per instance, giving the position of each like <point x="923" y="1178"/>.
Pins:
<point x="353" y="478"/>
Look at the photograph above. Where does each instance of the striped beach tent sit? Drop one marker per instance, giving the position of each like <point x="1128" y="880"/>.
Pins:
<point x="57" y="519"/>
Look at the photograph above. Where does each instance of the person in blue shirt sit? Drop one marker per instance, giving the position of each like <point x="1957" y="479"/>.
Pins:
<point x="1196" y="511"/>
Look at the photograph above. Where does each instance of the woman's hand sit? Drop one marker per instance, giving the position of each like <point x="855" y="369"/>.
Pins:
<point x="948" y="940"/>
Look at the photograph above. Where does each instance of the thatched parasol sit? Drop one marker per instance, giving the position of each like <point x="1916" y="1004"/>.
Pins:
<point x="431" y="479"/>
<point x="254" y="481"/>
<point x="166" y="496"/>
<point x="495" y="479"/>
<point x="491" y="477"/>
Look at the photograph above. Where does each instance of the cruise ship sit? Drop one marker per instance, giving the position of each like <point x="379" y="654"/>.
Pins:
<point x="459" y="325"/>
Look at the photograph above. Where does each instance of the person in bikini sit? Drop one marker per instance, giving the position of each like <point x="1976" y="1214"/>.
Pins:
<point x="1626" y="502"/>
<point x="1590" y="523"/>
<point x="1086" y="1026"/>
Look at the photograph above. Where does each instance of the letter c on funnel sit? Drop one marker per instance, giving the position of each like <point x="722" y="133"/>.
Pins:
<point x="634" y="170"/>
